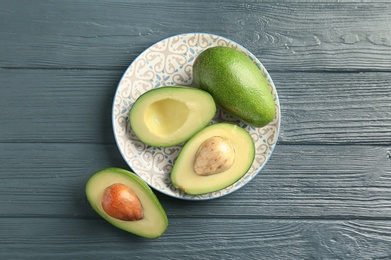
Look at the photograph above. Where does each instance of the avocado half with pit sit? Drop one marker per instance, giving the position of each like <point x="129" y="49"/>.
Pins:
<point x="126" y="201"/>
<point x="213" y="159"/>
<point x="169" y="116"/>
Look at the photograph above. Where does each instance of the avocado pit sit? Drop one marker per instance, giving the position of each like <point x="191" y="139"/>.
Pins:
<point x="215" y="155"/>
<point x="120" y="202"/>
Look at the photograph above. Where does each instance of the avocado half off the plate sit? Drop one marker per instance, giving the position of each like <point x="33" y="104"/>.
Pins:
<point x="127" y="202"/>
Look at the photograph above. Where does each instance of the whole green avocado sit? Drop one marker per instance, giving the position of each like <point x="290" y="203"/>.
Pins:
<point x="236" y="84"/>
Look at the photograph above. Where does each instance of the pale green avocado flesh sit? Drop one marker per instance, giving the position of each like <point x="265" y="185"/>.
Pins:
<point x="168" y="116"/>
<point x="152" y="225"/>
<point x="183" y="175"/>
<point x="236" y="84"/>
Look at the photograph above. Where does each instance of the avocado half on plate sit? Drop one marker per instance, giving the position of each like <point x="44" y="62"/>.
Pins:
<point x="213" y="159"/>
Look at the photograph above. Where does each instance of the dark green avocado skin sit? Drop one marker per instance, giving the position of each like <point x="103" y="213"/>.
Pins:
<point x="236" y="84"/>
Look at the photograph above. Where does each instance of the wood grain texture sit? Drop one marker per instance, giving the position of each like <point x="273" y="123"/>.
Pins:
<point x="75" y="106"/>
<point x="341" y="108"/>
<point x="325" y="193"/>
<point x="57" y="105"/>
<point x="109" y="34"/>
<point x="299" y="182"/>
<point x="197" y="239"/>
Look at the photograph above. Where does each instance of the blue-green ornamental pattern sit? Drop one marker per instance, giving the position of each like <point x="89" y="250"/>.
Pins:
<point x="166" y="63"/>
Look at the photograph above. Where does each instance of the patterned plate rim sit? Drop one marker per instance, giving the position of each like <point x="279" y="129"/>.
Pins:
<point x="242" y="182"/>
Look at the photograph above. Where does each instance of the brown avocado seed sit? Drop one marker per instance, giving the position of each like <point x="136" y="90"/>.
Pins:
<point x="215" y="155"/>
<point x="120" y="202"/>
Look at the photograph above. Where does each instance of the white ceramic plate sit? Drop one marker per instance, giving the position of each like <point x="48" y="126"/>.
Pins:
<point x="169" y="62"/>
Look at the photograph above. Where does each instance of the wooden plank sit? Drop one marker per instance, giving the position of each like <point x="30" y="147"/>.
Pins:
<point x="326" y="182"/>
<point x="335" y="107"/>
<point x="196" y="239"/>
<point x="110" y="34"/>
<point x="57" y="106"/>
<point x="75" y="106"/>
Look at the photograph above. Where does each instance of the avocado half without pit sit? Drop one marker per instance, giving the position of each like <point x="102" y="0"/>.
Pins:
<point x="170" y="115"/>
<point x="213" y="159"/>
<point x="126" y="201"/>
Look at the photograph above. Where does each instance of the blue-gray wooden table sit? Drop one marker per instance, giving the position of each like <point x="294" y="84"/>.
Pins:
<point x="324" y="194"/>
